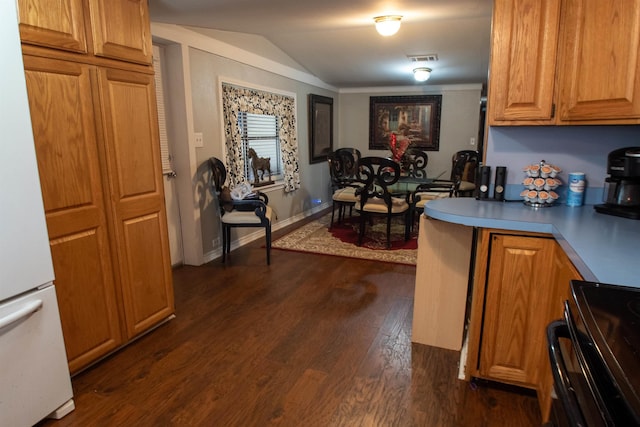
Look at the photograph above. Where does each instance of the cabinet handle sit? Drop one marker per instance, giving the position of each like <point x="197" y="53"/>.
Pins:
<point x="22" y="312"/>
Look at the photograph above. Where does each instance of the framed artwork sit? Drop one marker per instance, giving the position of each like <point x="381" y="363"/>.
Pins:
<point x="415" y="117"/>
<point x="320" y="128"/>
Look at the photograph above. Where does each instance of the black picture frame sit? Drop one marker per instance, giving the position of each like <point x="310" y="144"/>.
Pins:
<point x="416" y="117"/>
<point x="320" y="128"/>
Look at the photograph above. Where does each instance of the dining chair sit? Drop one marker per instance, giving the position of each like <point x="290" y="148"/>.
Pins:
<point x="437" y="189"/>
<point x="343" y="166"/>
<point x="415" y="162"/>
<point x="252" y="211"/>
<point x="378" y="174"/>
<point x="463" y="169"/>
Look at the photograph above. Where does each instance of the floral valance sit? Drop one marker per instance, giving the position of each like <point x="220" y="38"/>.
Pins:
<point x="238" y="100"/>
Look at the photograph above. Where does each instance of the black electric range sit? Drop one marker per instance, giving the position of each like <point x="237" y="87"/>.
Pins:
<point x="597" y="370"/>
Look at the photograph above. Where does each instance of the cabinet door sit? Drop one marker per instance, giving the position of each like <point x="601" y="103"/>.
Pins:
<point x="120" y="30"/>
<point x="137" y="197"/>
<point x="563" y="273"/>
<point x="53" y="23"/>
<point x="517" y="294"/>
<point x="523" y="60"/>
<point x="64" y="130"/>
<point x="599" y="63"/>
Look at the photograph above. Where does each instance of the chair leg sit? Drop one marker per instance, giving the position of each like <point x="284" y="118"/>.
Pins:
<point x="224" y="242"/>
<point x="362" y="226"/>
<point x="333" y="211"/>
<point x="388" y="232"/>
<point x="408" y="225"/>
<point x="268" y="243"/>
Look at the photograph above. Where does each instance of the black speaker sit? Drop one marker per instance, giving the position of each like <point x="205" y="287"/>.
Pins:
<point x="501" y="177"/>
<point x="485" y="177"/>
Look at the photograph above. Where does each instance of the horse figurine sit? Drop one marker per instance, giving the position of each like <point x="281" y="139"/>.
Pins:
<point x="262" y="164"/>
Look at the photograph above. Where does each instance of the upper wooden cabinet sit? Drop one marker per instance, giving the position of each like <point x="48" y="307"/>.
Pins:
<point x="523" y="61"/>
<point x="565" y="62"/>
<point x="116" y="29"/>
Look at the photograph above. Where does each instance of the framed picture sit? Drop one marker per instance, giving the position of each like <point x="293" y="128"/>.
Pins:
<point x="320" y="128"/>
<point x="416" y="117"/>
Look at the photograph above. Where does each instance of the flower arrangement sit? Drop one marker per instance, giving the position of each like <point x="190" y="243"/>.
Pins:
<point x="398" y="146"/>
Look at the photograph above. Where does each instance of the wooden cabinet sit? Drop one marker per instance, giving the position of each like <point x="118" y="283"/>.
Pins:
<point x="116" y="29"/>
<point x="97" y="145"/>
<point x="565" y="62"/>
<point x="523" y="60"/>
<point x="520" y="283"/>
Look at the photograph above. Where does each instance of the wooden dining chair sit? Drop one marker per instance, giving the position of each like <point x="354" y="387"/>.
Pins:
<point x="378" y="174"/>
<point x="253" y="211"/>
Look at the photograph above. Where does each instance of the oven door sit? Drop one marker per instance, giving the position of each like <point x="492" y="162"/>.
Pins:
<point x="578" y="402"/>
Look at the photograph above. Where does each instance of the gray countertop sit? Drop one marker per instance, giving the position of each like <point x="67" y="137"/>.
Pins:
<point x="602" y="247"/>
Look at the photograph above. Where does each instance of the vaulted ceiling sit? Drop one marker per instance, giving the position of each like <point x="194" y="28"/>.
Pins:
<point x="336" y="41"/>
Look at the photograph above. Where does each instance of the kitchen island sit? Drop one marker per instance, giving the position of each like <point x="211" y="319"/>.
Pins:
<point x="501" y="272"/>
<point x="603" y="248"/>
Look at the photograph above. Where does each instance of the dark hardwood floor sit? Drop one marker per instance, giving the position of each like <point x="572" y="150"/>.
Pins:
<point x="311" y="340"/>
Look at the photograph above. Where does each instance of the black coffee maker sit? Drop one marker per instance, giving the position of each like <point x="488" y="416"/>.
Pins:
<point x="622" y="187"/>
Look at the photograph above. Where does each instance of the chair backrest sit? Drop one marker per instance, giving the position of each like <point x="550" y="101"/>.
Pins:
<point x="464" y="165"/>
<point x="415" y="162"/>
<point x="377" y="174"/>
<point x="348" y="158"/>
<point x="435" y="189"/>
<point x="218" y="173"/>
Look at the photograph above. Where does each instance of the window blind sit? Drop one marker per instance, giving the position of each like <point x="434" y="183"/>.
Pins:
<point x="260" y="132"/>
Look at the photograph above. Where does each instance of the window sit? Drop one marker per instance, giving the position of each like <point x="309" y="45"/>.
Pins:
<point x="260" y="133"/>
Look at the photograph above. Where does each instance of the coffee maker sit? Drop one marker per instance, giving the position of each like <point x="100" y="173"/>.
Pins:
<point x="622" y="187"/>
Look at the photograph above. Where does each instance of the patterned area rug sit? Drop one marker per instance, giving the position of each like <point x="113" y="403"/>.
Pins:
<point x="341" y="241"/>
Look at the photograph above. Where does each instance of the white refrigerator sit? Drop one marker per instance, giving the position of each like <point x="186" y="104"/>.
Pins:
<point x="34" y="375"/>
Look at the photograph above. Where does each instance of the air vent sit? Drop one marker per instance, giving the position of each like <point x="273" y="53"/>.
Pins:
<point x="423" y="58"/>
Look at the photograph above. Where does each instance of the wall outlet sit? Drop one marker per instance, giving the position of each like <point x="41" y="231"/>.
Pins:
<point x="198" y="139"/>
<point x="472" y="141"/>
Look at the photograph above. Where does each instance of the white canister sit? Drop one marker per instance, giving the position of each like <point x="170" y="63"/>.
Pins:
<point x="575" y="194"/>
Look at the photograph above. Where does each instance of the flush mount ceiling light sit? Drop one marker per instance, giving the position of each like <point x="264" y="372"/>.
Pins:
<point x="421" y="74"/>
<point x="387" y="25"/>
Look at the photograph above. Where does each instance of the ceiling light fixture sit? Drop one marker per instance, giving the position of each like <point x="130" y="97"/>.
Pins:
<point x="387" y="25"/>
<point x="421" y="74"/>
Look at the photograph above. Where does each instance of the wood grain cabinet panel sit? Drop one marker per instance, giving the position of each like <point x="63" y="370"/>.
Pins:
<point x="64" y="131"/>
<point x="565" y="62"/>
<point x="97" y="144"/>
<point x="523" y="60"/>
<point x="133" y="160"/>
<point x="116" y="29"/>
<point x="53" y="23"/>
<point x="518" y="288"/>
<point x="599" y="60"/>
<point x="121" y="30"/>
<point x="521" y="281"/>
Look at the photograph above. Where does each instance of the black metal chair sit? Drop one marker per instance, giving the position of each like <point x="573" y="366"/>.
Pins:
<point x="463" y="170"/>
<point x="377" y="174"/>
<point x="343" y="170"/>
<point x="252" y="211"/>
<point x="415" y="162"/>
<point x="437" y="189"/>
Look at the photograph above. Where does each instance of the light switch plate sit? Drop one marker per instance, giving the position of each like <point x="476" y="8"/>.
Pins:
<point x="198" y="139"/>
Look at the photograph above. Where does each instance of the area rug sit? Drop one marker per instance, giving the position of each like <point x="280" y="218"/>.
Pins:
<point x="315" y="237"/>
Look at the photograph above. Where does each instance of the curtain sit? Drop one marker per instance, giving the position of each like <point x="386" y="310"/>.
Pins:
<point x="237" y="100"/>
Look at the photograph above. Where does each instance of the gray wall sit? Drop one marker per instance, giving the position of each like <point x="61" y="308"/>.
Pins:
<point x="206" y="69"/>
<point x="459" y="122"/>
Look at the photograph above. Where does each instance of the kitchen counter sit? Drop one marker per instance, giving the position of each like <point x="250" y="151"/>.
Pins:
<point x="602" y="247"/>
